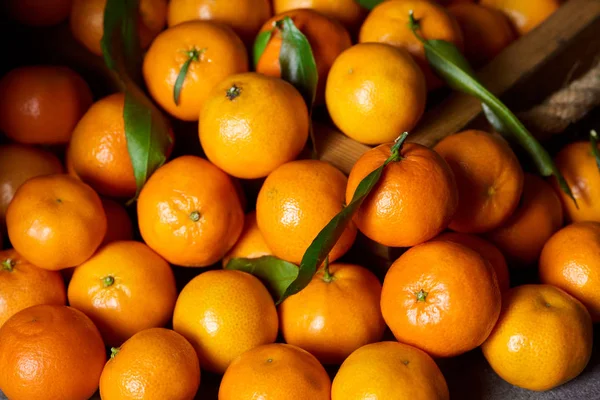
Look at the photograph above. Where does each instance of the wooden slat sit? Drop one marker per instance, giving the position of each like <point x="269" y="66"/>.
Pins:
<point x="525" y="59"/>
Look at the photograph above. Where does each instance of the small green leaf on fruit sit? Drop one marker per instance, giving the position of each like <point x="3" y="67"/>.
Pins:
<point x="276" y="274"/>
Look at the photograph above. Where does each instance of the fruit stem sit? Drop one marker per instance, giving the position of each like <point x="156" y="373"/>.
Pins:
<point x="8" y="264"/>
<point x="233" y="92"/>
<point x="114" y="351"/>
<point x="396" y="148"/>
<point x="193" y="55"/>
<point x="415" y="26"/>
<point x="421" y="295"/>
<point x="195" y="215"/>
<point x="108" y="281"/>
<point x="595" y="150"/>
<point x="327" y="276"/>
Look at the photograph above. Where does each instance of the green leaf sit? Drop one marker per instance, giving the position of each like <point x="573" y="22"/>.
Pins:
<point x="449" y="64"/>
<point x="298" y="66"/>
<point x="193" y="56"/>
<point x="369" y="4"/>
<point x="146" y="129"/>
<point x="275" y="274"/>
<point x="594" y="142"/>
<point x="260" y="44"/>
<point x="319" y="249"/>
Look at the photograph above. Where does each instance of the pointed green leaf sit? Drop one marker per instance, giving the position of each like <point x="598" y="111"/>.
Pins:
<point x="146" y="129"/>
<point x="319" y="249"/>
<point x="275" y="274"/>
<point x="260" y="44"/>
<point x="450" y="65"/>
<point x="369" y="4"/>
<point x="594" y="143"/>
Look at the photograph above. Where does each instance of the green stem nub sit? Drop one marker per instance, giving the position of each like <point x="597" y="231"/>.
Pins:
<point x="415" y="26"/>
<point x="8" y="264"/>
<point x="327" y="276"/>
<point x="396" y="148"/>
<point x="108" y="281"/>
<point x="193" y="55"/>
<point x="595" y="150"/>
<point x="114" y="351"/>
<point x="233" y="92"/>
<point x="195" y="216"/>
<point x="421" y="295"/>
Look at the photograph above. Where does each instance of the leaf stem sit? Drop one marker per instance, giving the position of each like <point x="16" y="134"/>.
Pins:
<point x="415" y="26"/>
<point x="193" y="55"/>
<point x="114" y="351"/>
<point x="396" y="148"/>
<point x="8" y="264"/>
<point x="594" y="142"/>
<point x="327" y="276"/>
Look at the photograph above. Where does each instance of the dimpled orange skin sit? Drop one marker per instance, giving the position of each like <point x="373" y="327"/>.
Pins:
<point x="487" y="250"/>
<point x="118" y="223"/>
<point x="187" y="223"/>
<point x="538" y="216"/>
<point x="578" y="165"/>
<point x="331" y="319"/>
<point x="55" y="221"/>
<point x="570" y="261"/>
<point x="251" y="243"/>
<point x="154" y="364"/>
<point x="42" y="104"/>
<point x="87" y="22"/>
<point x="122" y="307"/>
<point x="375" y="92"/>
<point x="275" y="371"/>
<point x="542" y="340"/>
<point x="224" y="313"/>
<point x="489" y="179"/>
<point x="295" y="202"/>
<point x="24" y="285"/>
<point x="388" y="23"/>
<point x="244" y="16"/>
<point x="251" y="124"/>
<point x="327" y="37"/>
<point x="50" y="352"/>
<point x="414" y="200"/>
<point x="486" y="31"/>
<point x="391" y="371"/>
<point x="18" y="163"/>
<point x="222" y="54"/>
<point x="524" y="15"/>
<point x="348" y="12"/>
<point x="441" y="297"/>
<point x="38" y="13"/>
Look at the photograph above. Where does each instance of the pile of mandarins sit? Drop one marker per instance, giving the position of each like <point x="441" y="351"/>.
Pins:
<point x="465" y="211"/>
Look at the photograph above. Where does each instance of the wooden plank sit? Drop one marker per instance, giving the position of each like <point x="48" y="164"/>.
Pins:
<point x="575" y="25"/>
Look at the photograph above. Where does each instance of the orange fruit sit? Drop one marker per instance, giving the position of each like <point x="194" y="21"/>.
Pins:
<point x="374" y="84"/>
<point x="441" y="297"/>
<point x="275" y="371"/>
<point x="42" y="104"/>
<point x="50" y="352"/>
<point x="190" y="225"/>
<point x="87" y="22"/>
<point x="489" y="179"/>
<point x="327" y="38"/>
<point x="118" y="223"/>
<point x="112" y="289"/>
<point x="414" y="200"/>
<point x="525" y="15"/>
<point x="388" y="23"/>
<point x="569" y="261"/>
<point x="38" y="13"/>
<point x="486" y="31"/>
<point x="225" y="313"/>
<point x="337" y="313"/>
<point x="55" y="221"/>
<point x="251" y="124"/>
<point x="251" y="243"/>
<point x="295" y="202"/>
<point x="578" y="165"/>
<point x="538" y="216"/>
<point x="391" y="371"/>
<point x="244" y="16"/>
<point x="216" y="52"/>
<point x="348" y="12"/>
<point x="542" y="340"/>
<point x="18" y="163"/>
<point x="154" y="364"/>
<point x="487" y="250"/>
<point x="24" y="285"/>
